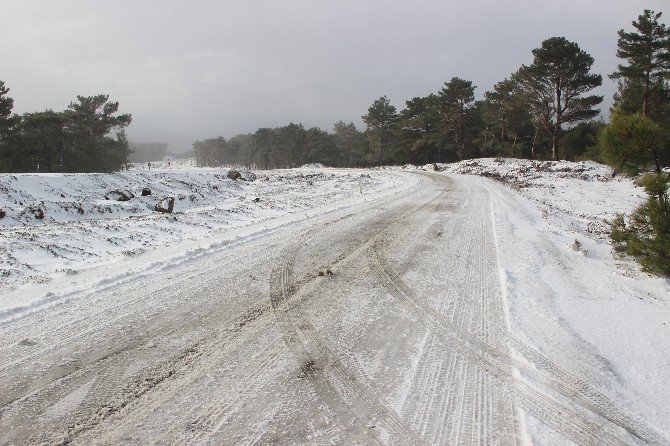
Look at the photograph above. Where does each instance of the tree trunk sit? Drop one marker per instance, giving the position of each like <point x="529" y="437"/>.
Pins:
<point x="645" y="97"/>
<point x="514" y="147"/>
<point x="533" y="155"/>
<point x="554" y="145"/>
<point x="657" y="160"/>
<point x="381" y="149"/>
<point x="556" y="134"/>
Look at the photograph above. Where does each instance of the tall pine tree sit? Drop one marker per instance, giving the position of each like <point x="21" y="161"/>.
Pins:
<point x="381" y="121"/>
<point x="457" y="99"/>
<point x="555" y="84"/>
<point x="647" y="53"/>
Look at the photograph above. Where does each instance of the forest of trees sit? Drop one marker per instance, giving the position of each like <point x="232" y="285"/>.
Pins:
<point x="88" y="136"/>
<point x="543" y="110"/>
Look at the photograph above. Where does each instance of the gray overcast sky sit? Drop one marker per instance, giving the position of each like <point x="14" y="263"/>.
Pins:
<point x="189" y="70"/>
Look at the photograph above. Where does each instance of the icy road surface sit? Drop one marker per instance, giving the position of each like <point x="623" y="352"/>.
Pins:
<point x="383" y="323"/>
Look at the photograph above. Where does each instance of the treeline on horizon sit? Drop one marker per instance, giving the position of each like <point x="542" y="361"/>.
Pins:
<point x="544" y="110"/>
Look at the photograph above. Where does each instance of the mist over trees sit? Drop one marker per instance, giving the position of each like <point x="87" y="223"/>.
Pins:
<point x="146" y="152"/>
<point x="543" y="110"/>
<point x="288" y="146"/>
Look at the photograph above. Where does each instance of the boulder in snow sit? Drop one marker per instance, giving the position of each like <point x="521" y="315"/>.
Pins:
<point x="146" y="191"/>
<point x="119" y="195"/>
<point x="248" y="175"/>
<point x="234" y="174"/>
<point x="166" y="210"/>
<point x="36" y="211"/>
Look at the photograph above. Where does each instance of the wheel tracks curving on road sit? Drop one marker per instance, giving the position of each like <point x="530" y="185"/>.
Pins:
<point x="316" y="359"/>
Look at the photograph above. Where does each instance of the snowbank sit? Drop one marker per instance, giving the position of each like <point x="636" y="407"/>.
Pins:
<point x="60" y="224"/>
<point x="577" y="196"/>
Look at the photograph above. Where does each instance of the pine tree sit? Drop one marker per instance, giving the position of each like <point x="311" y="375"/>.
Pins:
<point x="647" y="53"/>
<point x="42" y="142"/>
<point x="8" y="123"/>
<point x="350" y="143"/>
<point x="506" y="116"/>
<point x="422" y="129"/>
<point x="456" y="100"/>
<point x="647" y="234"/>
<point x="381" y="121"/>
<point x="554" y="86"/>
<point x="88" y="144"/>
<point x="630" y="142"/>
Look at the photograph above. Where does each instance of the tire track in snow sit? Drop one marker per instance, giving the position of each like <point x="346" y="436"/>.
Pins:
<point x="574" y="389"/>
<point x="316" y="358"/>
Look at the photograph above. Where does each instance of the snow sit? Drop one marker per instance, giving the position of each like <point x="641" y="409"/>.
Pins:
<point x="563" y="290"/>
<point x="554" y="285"/>
<point x="59" y="226"/>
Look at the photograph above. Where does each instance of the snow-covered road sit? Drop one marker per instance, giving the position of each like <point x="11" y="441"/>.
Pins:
<point x="387" y="322"/>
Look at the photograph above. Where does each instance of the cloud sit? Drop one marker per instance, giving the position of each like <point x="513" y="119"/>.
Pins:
<point x="189" y="70"/>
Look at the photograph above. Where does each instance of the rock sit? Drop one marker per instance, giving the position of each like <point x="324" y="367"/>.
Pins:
<point x="257" y="199"/>
<point x="170" y="206"/>
<point x="37" y="212"/>
<point x="119" y="195"/>
<point x="2" y="213"/>
<point x="234" y="174"/>
<point x="146" y="191"/>
<point x="248" y="175"/>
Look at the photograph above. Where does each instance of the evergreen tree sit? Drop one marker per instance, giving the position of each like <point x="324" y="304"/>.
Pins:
<point x="647" y="52"/>
<point x="381" y="121"/>
<point x="456" y="100"/>
<point x="290" y="146"/>
<point x="42" y="142"/>
<point x="581" y="141"/>
<point x="88" y="145"/>
<point x="265" y="144"/>
<point x="631" y="142"/>
<point x="350" y="144"/>
<point x="554" y="85"/>
<point x="647" y="234"/>
<point x="423" y="135"/>
<point x="320" y="148"/>
<point x="8" y="122"/>
<point x="212" y="152"/>
<point x="243" y="149"/>
<point x="507" y="118"/>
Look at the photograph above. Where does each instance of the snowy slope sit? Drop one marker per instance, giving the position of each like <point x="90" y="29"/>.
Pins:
<point x="57" y="226"/>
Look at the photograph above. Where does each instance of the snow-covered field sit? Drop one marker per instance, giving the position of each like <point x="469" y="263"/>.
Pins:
<point x="56" y="227"/>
